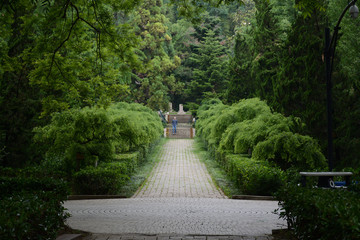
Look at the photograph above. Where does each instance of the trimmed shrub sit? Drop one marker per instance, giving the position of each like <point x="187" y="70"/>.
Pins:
<point x="89" y="136"/>
<point x="31" y="208"/>
<point x="11" y="185"/>
<point x="245" y="135"/>
<point x="254" y="177"/>
<point x="97" y="181"/>
<point x="131" y="160"/>
<point x="249" y="126"/>
<point x="123" y="163"/>
<point x="324" y="214"/>
<point x="246" y="109"/>
<point x="287" y="150"/>
<point x="36" y="215"/>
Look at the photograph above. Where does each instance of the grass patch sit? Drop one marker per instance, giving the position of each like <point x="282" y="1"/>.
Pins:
<point x="143" y="171"/>
<point x="217" y="173"/>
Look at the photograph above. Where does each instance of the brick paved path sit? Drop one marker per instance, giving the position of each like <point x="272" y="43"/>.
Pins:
<point x="179" y="174"/>
<point x="179" y="201"/>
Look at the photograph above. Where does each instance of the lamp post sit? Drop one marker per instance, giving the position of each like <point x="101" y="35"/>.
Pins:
<point x="329" y="53"/>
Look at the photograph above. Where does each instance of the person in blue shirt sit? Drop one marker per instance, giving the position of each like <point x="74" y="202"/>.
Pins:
<point x="174" y="124"/>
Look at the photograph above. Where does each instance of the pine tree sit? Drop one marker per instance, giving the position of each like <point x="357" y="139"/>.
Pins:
<point x="266" y="47"/>
<point x="299" y="88"/>
<point x="241" y="85"/>
<point x="209" y="73"/>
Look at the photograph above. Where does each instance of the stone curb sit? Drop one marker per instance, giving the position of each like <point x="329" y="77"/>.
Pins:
<point x="96" y="236"/>
<point x="87" y="197"/>
<point x="69" y="237"/>
<point x="253" y="197"/>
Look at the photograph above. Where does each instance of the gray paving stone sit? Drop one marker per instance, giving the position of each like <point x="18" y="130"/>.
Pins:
<point x="163" y="238"/>
<point x="179" y="174"/>
<point x="179" y="200"/>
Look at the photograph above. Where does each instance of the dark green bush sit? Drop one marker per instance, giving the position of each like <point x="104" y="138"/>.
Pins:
<point x="287" y="150"/>
<point x="86" y="137"/>
<point x="250" y="127"/>
<point x="31" y="215"/>
<point x="131" y="161"/>
<point x="245" y="135"/>
<point x="254" y="177"/>
<point x="97" y="181"/>
<point x="31" y="208"/>
<point x="120" y="167"/>
<point x="11" y="185"/>
<point x="324" y="214"/>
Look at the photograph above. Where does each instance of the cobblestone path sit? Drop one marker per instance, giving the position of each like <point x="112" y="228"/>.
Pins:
<point x="179" y="173"/>
<point x="178" y="201"/>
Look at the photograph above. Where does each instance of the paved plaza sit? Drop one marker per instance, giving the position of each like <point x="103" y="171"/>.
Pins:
<point x="178" y="201"/>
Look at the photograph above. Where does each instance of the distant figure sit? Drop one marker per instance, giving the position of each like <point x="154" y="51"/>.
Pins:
<point x="174" y="124"/>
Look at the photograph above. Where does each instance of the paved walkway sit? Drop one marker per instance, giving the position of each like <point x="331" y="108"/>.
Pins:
<point x="179" y="201"/>
<point x="179" y="173"/>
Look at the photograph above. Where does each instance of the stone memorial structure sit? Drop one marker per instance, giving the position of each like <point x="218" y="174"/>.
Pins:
<point x="181" y="109"/>
<point x="184" y="127"/>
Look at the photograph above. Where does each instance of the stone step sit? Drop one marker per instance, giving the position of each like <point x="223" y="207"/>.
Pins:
<point x="181" y="118"/>
<point x="181" y="132"/>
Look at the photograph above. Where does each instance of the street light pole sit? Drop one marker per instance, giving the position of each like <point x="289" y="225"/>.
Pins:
<point x="330" y="46"/>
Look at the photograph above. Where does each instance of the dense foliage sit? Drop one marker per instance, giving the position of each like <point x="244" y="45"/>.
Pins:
<point x="31" y="204"/>
<point x="251" y="176"/>
<point x="254" y="144"/>
<point x="314" y="213"/>
<point x="278" y="57"/>
<point x="75" y="54"/>
<point x="89" y="136"/>
<point x="65" y="65"/>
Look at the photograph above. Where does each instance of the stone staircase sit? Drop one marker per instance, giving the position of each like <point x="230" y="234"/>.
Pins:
<point x="183" y="130"/>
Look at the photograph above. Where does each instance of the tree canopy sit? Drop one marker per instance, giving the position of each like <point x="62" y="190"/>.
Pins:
<point x="62" y="55"/>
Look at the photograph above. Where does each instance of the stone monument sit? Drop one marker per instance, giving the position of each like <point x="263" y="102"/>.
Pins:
<point x="170" y="107"/>
<point x="181" y="109"/>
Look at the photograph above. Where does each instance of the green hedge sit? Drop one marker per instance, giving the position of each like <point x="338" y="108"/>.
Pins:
<point x="36" y="215"/>
<point x="269" y="141"/>
<point x="253" y="177"/>
<point x="78" y="138"/>
<point x="324" y="214"/>
<point x="291" y="150"/>
<point x="31" y="208"/>
<point x="129" y="160"/>
<point x="109" y="177"/>
<point x="250" y="126"/>
<point x="98" y="181"/>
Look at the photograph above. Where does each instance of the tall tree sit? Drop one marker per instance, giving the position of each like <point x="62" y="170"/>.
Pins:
<point x="266" y="48"/>
<point x="241" y="85"/>
<point x="346" y="88"/>
<point x="209" y="73"/>
<point x="56" y="55"/>
<point x="155" y="80"/>
<point x="299" y="88"/>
